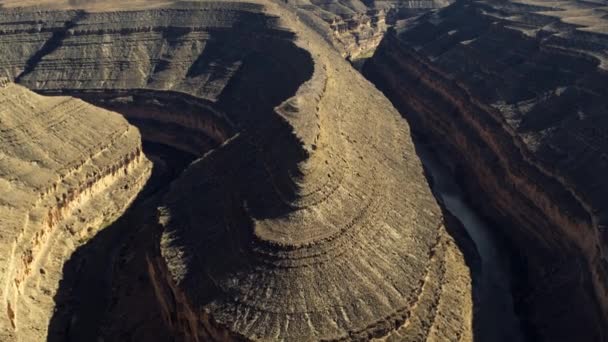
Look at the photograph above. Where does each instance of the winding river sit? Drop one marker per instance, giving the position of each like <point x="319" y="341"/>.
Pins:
<point x="495" y="319"/>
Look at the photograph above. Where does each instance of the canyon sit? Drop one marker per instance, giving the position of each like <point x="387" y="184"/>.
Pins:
<point x="67" y="168"/>
<point x="220" y="170"/>
<point x="262" y="216"/>
<point x="355" y="28"/>
<point x="513" y="93"/>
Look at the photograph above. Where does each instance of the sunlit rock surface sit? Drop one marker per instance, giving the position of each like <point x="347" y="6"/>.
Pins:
<point x="307" y="215"/>
<point x="66" y="169"/>
<point x="356" y="27"/>
<point x="515" y="93"/>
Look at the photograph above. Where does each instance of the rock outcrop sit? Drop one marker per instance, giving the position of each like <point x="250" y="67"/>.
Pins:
<point x="515" y="93"/>
<point x="359" y="34"/>
<point x="307" y="215"/>
<point x="356" y="27"/>
<point x="66" y="169"/>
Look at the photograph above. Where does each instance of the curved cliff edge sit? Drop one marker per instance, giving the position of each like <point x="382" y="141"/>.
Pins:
<point x="355" y="27"/>
<point x="67" y="168"/>
<point x="515" y="93"/>
<point x="316" y="225"/>
<point x="306" y="216"/>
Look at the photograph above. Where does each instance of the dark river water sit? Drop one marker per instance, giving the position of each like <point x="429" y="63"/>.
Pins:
<point x="495" y="319"/>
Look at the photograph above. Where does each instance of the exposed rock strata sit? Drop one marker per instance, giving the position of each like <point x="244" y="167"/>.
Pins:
<point x="356" y="27"/>
<point x="516" y="93"/>
<point x="359" y="34"/>
<point x="179" y="120"/>
<point x="66" y="167"/>
<point x="277" y="247"/>
<point x="310" y="218"/>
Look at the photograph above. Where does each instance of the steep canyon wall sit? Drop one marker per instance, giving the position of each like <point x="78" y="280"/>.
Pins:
<point x="67" y="168"/>
<point x="355" y="28"/>
<point x="513" y="93"/>
<point x="283" y="228"/>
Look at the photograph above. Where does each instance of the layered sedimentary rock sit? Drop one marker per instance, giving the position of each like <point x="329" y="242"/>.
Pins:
<point x="360" y="33"/>
<point x="66" y="168"/>
<point x="287" y="231"/>
<point x="307" y="217"/>
<point x="356" y="27"/>
<point x="515" y="93"/>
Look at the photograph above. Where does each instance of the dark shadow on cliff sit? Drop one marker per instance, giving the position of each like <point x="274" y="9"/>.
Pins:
<point x="210" y="209"/>
<point x="248" y="70"/>
<point x="52" y="44"/>
<point x="486" y="253"/>
<point x="458" y="232"/>
<point x="86" y="290"/>
<point x="218" y="186"/>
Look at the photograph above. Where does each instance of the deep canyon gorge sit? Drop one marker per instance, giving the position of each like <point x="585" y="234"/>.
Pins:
<point x="221" y="171"/>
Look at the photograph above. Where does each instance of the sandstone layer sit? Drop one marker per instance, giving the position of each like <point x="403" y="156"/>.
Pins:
<point x="66" y="169"/>
<point x="356" y="27"/>
<point x="307" y="215"/>
<point x="515" y="93"/>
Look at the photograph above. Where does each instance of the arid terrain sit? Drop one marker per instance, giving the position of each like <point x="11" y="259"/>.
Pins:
<point x="516" y="91"/>
<point x="246" y="170"/>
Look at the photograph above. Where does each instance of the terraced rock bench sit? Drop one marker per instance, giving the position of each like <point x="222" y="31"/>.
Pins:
<point x="306" y="216"/>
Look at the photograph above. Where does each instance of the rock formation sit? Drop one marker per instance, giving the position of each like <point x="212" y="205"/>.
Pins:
<point x="515" y="93"/>
<point x="66" y="169"/>
<point x="306" y="216"/>
<point x="356" y="27"/>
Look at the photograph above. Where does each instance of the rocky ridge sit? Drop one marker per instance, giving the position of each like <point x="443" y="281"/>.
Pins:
<point x="284" y="228"/>
<point x="514" y="92"/>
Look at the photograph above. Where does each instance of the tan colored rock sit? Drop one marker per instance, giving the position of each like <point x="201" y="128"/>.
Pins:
<point x="310" y="217"/>
<point x="346" y="242"/>
<point x="355" y="28"/>
<point x="66" y="169"/>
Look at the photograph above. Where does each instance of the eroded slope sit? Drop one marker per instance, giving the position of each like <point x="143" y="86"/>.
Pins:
<point x="307" y="215"/>
<point x="315" y="247"/>
<point x="517" y="92"/>
<point x="66" y="168"/>
<point x="356" y="27"/>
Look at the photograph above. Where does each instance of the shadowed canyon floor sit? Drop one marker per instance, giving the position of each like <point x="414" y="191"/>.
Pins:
<point x="218" y="171"/>
<point x="280" y="228"/>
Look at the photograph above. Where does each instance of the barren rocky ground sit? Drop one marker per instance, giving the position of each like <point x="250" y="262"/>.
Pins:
<point x="219" y="171"/>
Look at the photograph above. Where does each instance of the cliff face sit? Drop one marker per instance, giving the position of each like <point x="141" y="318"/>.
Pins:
<point x="514" y="93"/>
<point x="355" y="28"/>
<point x="66" y="167"/>
<point x="258" y="233"/>
<point x="307" y="215"/>
<point x="359" y="34"/>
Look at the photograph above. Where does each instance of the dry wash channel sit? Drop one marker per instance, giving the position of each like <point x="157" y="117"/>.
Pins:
<point x="305" y="215"/>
